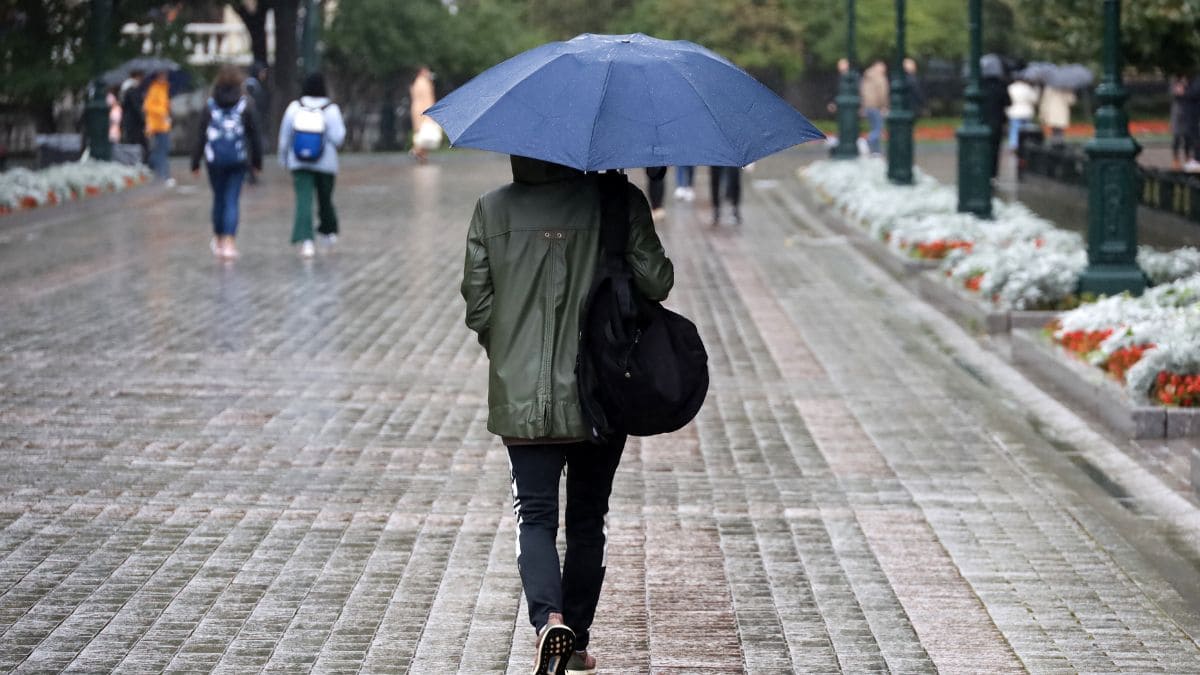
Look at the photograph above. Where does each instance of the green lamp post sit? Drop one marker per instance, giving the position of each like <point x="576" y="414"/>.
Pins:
<point x="847" y="99"/>
<point x="974" y="147"/>
<point x="1112" y="178"/>
<point x="900" y="118"/>
<point x="311" y="36"/>
<point x="95" y="112"/>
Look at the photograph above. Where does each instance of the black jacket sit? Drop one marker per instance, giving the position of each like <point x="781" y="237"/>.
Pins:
<point x="228" y="97"/>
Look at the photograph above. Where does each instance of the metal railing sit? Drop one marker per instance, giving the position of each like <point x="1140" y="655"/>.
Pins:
<point x="1160" y="189"/>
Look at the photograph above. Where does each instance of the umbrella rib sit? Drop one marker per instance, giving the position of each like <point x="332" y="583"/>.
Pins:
<point x="708" y="109"/>
<point x="599" y="107"/>
<point x="526" y="76"/>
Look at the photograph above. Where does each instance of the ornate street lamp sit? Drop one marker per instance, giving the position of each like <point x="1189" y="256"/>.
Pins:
<point x="310" y="36"/>
<point x="900" y="118"/>
<point x="95" y="112"/>
<point x="1112" y="177"/>
<point x="974" y="146"/>
<point x="847" y="99"/>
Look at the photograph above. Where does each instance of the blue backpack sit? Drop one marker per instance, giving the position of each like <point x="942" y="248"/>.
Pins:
<point x="308" y="132"/>
<point x="226" y="145"/>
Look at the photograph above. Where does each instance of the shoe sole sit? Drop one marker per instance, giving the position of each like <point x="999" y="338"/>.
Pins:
<point x="555" y="644"/>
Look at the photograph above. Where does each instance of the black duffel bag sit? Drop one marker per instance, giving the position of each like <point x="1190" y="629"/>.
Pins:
<point x="642" y="369"/>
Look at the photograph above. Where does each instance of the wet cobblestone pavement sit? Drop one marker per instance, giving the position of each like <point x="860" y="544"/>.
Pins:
<point x="278" y="464"/>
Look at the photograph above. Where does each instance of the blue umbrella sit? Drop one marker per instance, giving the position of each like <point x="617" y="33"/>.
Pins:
<point x="621" y="101"/>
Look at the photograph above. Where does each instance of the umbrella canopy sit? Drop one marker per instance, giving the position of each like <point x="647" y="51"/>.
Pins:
<point x="622" y="101"/>
<point x="1070" y="76"/>
<point x="180" y="80"/>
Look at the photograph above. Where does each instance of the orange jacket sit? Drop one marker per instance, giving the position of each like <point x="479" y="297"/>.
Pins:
<point x="157" y="108"/>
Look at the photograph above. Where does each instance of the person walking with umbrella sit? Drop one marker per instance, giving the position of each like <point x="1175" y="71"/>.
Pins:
<point x="617" y="102"/>
<point x="157" y="110"/>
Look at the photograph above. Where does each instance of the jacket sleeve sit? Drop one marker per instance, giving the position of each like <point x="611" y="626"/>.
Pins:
<point x="250" y="124"/>
<point x="653" y="272"/>
<point x="335" y="126"/>
<point x="285" y="135"/>
<point x="200" y="138"/>
<point x="477" y="279"/>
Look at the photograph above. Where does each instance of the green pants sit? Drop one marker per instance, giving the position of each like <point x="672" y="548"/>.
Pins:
<point x="304" y="181"/>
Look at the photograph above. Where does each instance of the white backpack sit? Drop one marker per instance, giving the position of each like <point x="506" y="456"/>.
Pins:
<point x="308" y="132"/>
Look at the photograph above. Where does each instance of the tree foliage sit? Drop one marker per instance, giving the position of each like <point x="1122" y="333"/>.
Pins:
<point x="385" y="39"/>
<point x="1157" y="35"/>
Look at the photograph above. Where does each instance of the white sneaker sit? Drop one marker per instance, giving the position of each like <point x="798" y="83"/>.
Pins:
<point x="307" y="250"/>
<point x="680" y="192"/>
<point x="1192" y="166"/>
<point x="212" y="246"/>
<point x="864" y="148"/>
<point x="689" y="194"/>
<point x="327" y="240"/>
<point x="171" y="182"/>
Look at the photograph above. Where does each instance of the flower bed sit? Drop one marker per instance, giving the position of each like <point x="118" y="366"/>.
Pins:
<point x="1016" y="261"/>
<point x="25" y="189"/>
<point x="1150" y="343"/>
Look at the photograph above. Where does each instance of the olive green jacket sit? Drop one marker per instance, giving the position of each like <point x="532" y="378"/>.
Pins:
<point x="531" y="252"/>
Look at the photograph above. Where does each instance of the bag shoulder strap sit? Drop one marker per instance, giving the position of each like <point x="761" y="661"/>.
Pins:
<point x="614" y="214"/>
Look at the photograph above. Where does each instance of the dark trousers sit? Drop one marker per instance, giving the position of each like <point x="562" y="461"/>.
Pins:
<point x="658" y="185"/>
<point x="575" y="590"/>
<point x="729" y="178"/>
<point x="305" y="183"/>
<point x="226" y="185"/>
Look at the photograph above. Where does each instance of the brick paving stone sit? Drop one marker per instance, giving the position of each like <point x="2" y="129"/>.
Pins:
<point x="283" y="466"/>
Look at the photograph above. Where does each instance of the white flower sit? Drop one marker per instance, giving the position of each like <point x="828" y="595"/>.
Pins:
<point x="1025" y="261"/>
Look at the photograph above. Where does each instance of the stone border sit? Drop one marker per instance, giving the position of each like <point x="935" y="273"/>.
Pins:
<point x="903" y="269"/>
<point x="78" y="207"/>
<point x="965" y="310"/>
<point x="1099" y="394"/>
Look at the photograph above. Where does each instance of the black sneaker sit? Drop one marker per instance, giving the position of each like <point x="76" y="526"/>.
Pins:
<point x="555" y="644"/>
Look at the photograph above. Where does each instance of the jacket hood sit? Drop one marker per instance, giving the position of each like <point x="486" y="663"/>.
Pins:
<point x="314" y="101"/>
<point x="226" y="97"/>
<point x="531" y="171"/>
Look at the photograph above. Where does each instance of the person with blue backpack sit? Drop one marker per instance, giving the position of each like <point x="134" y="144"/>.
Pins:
<point x="311" y="132"/>
<point x="228" y="141"/>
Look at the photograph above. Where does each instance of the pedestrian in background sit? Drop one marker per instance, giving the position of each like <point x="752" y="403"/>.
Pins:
<point x="539" y="237"/>
<point x="1024" y="97"/>
<point x="427" y="135"/>
<point x="311" y="132"/>
<point x="995" y="103"/>
<point x="1189" y="122"/>
<point x="157" y="108"/>
<point x="683" y="183"/>
<point x="725" y="180"/>
<point x="656" y="188"/>
<point x="874" y="91"/>
<point x="1055" y="112"/>
<point x="133" y="119"/>
<point x="114" y="114"/>
<point x="260" y="104"/>
<point x="916" y="92"/>
<point x="228" y="140"/>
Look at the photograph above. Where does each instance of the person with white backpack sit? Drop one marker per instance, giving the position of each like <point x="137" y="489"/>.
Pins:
<point x="311" y="132"/>
<point x="229" y="144"/>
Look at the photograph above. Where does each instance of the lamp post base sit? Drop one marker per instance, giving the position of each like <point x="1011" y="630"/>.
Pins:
<point x="900" y="147"/>
<point x="95" y="118"/>
<point x="1112" y="279"/>
<point x="975" y="170"/>
<point x="848" y="103"/>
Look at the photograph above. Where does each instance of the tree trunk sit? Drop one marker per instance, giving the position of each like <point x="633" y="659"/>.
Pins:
<point x="285" y="83"/>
